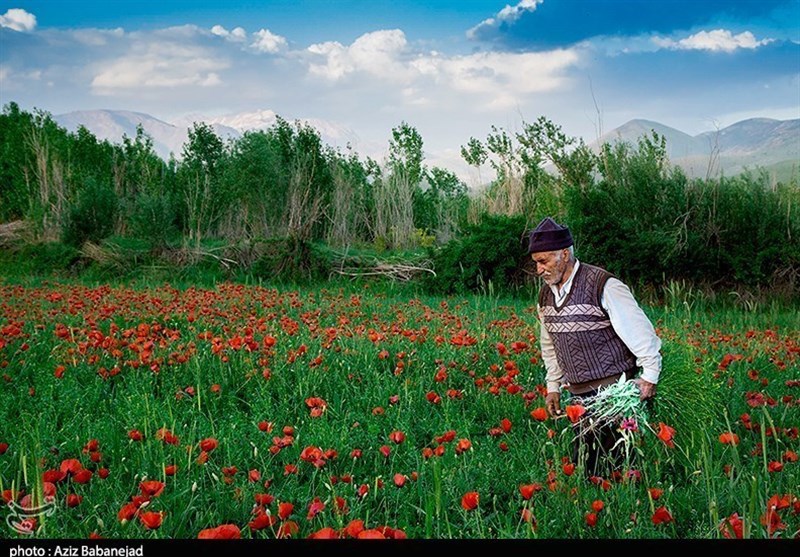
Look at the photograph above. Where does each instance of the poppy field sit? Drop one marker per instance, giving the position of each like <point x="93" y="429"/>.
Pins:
<point x="253" y="412"/>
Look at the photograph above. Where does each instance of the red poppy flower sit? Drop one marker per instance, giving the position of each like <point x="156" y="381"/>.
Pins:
<point x="167" y="436"/>
<point x="392" y="533"/>
<point x="463" y="445"/>
<point x="326" y="533"/>
<point x="597" y="505"/>
<point x="266" y="426"/>
<point x="208" y="444"/>
<point x="397" y="437"/>
<point x="285" y="510"/>
<point x="772" y="521"/>
<point x="151" y="520"/>
<point x="103" y="473"/>
<point x="53" y="476"/>
<point x="568" y="468"/>
<point x="363" y="490"/>
<point x="287" y="529"/>
<point x="135" y="435"/>
<point x="355" y="453"/>
<point x="433" y="397"/>
<point x="151" y="488"/>
<point x="574" y="412"/>
<point x="655" y="493"/>
<point x="662" y="516"/>
<point x="528" y="490"/>
<point x="3" y="448"/>
<point x="539" y="414"/>
<point x="170" y="469"/>
<point x="262" y="520"/>
<point x="447" y="437"/>
<point x="775" y="466"/>
<point x="469" y="501"/>
<point x="505" y="423"/>
<point x="373" y="534"/>
<point x="732" y="527"/>
<point x="91" y="446"/>
<point x="223" y="532"/>
<point x="314" y="508"/>
<point x="254" y="475"/>
<point x="385" y="450"/>
<point x="354" y="528"/>
<point x="71" y="466"/>
<point x="728" y="438"/>
<point x="263" y="499"/>
<point x="74" y="500"/>
<point x="666" y="433"/>
<point x="399" y="480"/>
<point x="127" y="512"/>
<point x="82" y="476"/>
<point x="316" y="405"/>
<point x="591" y="519"/>
<point x="790" y="456"/>
<point x="202" y="458"/>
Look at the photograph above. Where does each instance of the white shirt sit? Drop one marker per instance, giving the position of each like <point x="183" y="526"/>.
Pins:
<point x="629" y="322"/>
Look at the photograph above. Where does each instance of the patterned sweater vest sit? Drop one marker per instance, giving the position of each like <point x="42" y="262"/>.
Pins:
<point x="586" y="345"/>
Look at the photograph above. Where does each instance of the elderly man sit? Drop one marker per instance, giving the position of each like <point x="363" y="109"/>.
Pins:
<point x="592" y="331"/>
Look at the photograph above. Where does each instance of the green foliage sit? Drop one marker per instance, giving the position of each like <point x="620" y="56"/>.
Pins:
<point x="490" y="251"/>
<point x="153" y="220"/>
<point x="92" y="217"/>
<point x="292" y="260"/>
<point x="41" y="259"/>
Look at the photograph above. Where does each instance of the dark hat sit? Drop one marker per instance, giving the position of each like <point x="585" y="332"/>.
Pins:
<point x="549" y="236"/>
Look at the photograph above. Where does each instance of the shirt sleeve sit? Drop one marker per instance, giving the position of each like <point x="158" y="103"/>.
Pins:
<point x="554" y="372"/>
<point x="633" y="327"/>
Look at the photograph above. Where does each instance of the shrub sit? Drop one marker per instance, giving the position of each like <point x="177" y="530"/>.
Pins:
<point x="490" y="251"/>
<point x="92" y="217"/>
<point x="292" y="260"/>
<point x="153" y="220"/>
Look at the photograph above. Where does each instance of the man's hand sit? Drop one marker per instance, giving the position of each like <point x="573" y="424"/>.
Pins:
<point x="553" y="404"/>
<point x="646" y="389"/>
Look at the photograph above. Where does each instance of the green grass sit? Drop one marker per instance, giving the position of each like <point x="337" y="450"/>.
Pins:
<point x="49" y="419"/>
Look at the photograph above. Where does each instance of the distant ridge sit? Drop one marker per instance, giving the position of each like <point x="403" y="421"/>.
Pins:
<point x="773" y="145"/>
<point x="169" y="138"/>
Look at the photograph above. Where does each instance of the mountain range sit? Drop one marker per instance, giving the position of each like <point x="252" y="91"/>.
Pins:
<point x="773" y="145"/>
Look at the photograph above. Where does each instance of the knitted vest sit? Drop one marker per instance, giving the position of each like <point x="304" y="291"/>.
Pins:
<point x="586" y="345"/>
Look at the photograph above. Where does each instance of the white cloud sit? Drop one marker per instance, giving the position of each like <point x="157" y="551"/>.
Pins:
<point x="501" y="77"/>
<point x="237" y="35"/>
<point x="97" y="37"/>
<point x="266" y="41"/>
<point x="716" y="40"/>
<point x="509" y="14"/>
<point x="159" y="64"/>
<point x="18" y="20"/>
<point x="378" y="53"/>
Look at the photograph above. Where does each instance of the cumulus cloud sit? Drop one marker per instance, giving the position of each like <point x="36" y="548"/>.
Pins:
<point x="159" y="65"/>
<point x="716" y="40"/>
<point x="237" y="35"/>
<point x="502" y="77"/>
<point x="18" y="20"/>
<point x="507" y="15"/>
<point x="266" y="41"/>
<point x="379" y="53"/>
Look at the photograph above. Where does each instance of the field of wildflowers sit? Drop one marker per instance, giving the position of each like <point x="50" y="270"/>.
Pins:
<point x="244" y="411"/>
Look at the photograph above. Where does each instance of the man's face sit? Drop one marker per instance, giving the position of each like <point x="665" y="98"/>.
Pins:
<point x="551" y="265"/>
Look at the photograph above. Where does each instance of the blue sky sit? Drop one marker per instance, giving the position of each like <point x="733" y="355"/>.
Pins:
<point x="451" y="68"/>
